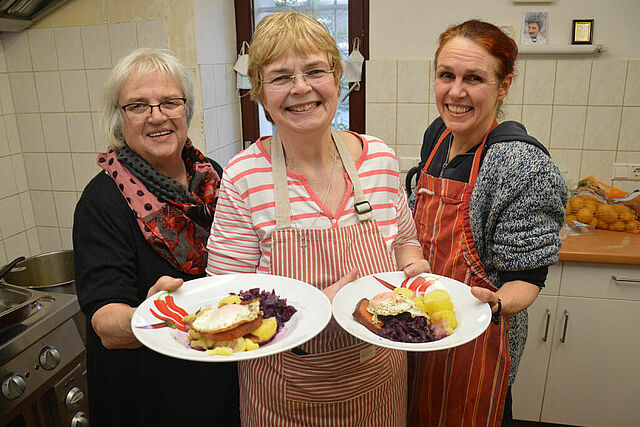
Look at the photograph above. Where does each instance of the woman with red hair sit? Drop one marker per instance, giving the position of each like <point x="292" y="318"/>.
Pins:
<point x="489" y="206"/>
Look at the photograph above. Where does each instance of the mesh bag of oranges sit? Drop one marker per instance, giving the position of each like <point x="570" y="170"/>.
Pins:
<point x="593" y="204"/>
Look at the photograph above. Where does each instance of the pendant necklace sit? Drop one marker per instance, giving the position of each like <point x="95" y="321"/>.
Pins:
<point x="303" y="238"/>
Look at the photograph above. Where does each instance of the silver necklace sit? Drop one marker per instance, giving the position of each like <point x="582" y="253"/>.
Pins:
<point x="303" y="238"/>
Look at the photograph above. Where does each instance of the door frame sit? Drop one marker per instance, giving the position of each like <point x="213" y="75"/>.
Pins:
<point x="358" y="27"/>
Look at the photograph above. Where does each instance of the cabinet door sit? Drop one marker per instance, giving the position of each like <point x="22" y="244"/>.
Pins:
<point x="593" y="376"/>
<point x="528" y="389"/>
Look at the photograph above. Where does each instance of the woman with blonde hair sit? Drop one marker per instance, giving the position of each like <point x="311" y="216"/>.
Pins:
<point x="319" y="206"/>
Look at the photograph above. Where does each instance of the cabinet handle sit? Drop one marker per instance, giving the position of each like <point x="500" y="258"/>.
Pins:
<point x="564" y="328"/>
<point x="546" y="326"/>
<point x="627" y="280"/>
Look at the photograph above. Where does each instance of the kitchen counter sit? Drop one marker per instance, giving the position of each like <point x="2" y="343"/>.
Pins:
<point x="603" y="246"/>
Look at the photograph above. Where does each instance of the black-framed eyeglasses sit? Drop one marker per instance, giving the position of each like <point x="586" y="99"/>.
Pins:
<point x="139" y="112"/>
<point x="312" y="77"/>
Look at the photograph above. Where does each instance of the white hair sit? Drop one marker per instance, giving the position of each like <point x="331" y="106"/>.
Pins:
<point x="143" y="61"/>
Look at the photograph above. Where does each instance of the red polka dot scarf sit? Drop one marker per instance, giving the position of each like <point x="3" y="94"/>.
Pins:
<point x="175" y="221"/>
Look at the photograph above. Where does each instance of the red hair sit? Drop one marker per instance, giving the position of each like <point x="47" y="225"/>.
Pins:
<point x="497" y="43"/>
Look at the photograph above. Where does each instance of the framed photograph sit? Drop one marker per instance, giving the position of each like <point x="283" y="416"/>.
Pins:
<point x="582" y="32"/>
<point x="535" y="28"/>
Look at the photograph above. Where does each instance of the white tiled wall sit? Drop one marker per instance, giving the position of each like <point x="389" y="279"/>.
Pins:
<point x="587" y="112"/>
<point x="50" y="85"/>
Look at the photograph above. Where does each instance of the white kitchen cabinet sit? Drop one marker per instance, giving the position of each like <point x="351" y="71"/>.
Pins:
<point x="586" y="373"/>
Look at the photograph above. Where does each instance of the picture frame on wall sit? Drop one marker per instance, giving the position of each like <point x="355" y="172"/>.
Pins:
<point x="535" y="28"/>
<point x="582" y="31"/>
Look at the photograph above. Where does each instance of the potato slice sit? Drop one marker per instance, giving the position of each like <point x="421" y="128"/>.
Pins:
<point x="437" y="300"/>
<point x="266" y="330"/>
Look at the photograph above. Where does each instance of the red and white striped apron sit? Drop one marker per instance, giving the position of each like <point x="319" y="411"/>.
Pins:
<point x="467" y="385"/>
<point x="342" y="381"/>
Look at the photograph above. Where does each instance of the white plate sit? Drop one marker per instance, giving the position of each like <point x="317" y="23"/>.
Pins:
<point x="312" y="315"/>
<point x="472" y="315"/>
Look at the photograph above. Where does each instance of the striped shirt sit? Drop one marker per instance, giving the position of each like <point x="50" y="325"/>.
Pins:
<point x="240" y="240"/>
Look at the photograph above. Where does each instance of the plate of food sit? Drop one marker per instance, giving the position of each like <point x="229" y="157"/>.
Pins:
<point x="427" y="312"/>
<point x="231" y="317"/>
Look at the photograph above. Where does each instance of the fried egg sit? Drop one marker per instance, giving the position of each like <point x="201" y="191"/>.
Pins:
<point x="225" y="317"/>
<point x="392" y="304"/>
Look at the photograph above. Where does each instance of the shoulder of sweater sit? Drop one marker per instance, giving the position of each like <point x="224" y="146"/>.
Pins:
<point x="515" y="154"/>
<point x="102" y="191"/>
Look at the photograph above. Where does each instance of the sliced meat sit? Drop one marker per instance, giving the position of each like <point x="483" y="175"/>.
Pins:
<point x="365" y="318"/>
<point x="237" y="332"/>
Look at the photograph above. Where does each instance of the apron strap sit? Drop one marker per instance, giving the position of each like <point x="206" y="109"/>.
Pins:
<point x="283" y="208"/>
<point x="361" y="205"/>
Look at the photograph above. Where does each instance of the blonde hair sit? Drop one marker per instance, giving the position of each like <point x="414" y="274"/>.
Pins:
<point x="144" y="62"/>
<point x="281" y="32"/>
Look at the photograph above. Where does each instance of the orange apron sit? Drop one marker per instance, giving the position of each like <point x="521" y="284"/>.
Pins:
<point x="466" y="385"/>
<point x="342" y="381"/>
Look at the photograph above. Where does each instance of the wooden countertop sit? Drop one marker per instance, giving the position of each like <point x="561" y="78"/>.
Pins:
<point x="602" y="246"/>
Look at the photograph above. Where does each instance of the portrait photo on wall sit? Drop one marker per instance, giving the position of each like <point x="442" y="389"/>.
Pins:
<point x="535" y="28"/>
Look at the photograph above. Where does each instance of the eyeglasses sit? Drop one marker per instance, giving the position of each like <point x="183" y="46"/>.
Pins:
<point x="312" y="77"/>
<point x="139" y="112"/>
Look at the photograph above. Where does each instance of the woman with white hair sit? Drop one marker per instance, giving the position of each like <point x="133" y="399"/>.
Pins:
<point x="141" y="226"/>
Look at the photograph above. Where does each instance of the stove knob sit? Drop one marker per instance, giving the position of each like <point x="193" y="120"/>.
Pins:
<point x="13" y="385"/>
<point x="80" y="420"/>
<point x="49" y="357"/>
<point x="74" y="398"/>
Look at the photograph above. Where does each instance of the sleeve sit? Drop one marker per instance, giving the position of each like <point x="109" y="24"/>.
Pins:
<point x="233" y="246"/>
<point x="407" y="234"/>
<point x="104" y="258"/>
<point x="527" y="229"/>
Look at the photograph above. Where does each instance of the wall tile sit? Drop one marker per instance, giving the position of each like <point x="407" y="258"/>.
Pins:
<point x="3" y="254"/>
<point x="61" y="168"/>
<point x="629" y="129"/>
<point x="628" y="157"/>
<point x="16" y="51"/>
<point x="80" y="133"/>
<point x="84" y="169"/>
<point x="433" y="112"/>
<point x="44" y="209"/>
<point x="602" y="128"/>
<point x="381" y="122"/>
<point x="572" y="82"/>
<point x="3" y="61"/>
<point x="43" y="49"/>
<point x="211" y="130"/>
<point x="632" y="88"/>
<point x="65" y="206"/>
<point x="16" y="246"/>
<point x="517" y="86"/>
<point x="66" y="236"/>
<point x="30" y="133"/>
<point x="69" y="48"/>
<point x="19" y="172"/>
<point x="412" y="120"/>
<point x="381" y="81"/>
<point x="8" y="185"/>
<point x="27" y="209"/>
<point x="49" y="239"/>
<point x="49" y="91"/>
<point x="511" y="112"/>
<point x="38" y="171"/>
<point x="152" y="34"/>
<point x="207" y="80"/>
<point x="6" y="95"/>
<point x="95" y="83"/>
<point x="220" y="84"/>
<point x="123" y="39"/>
<point x="568" y="161"/>
<point x="224" y="116"/>
<point x="413" y="81"/>
<point x="598" y="164"/>
<point x="4" y="143"/>
<point x="11" y="221"/>
<point x="567" y="127"/>
<point x="607" y="82"/>
<point x="13" y="136"/>
<point x="98" y="134"/>
<point x="54" y="127"/>
<point x="74" y="90"/>
<point x="34" y="241"/>
<point x="539" y="82"/>
<point x="95" y="43"/>
<point x="537" y="120"/>
<point x="25" y="98"/>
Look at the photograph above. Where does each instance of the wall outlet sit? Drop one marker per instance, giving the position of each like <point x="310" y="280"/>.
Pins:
<point x="626" y="172"/>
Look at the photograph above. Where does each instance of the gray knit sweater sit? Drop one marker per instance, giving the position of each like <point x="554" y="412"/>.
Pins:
<point x="516" y="211"/>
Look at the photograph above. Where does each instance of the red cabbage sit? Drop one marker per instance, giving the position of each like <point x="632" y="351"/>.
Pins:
<point x="271" y="305"/>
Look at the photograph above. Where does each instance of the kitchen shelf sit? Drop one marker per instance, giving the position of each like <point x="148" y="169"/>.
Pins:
<point x="571" y="49"/>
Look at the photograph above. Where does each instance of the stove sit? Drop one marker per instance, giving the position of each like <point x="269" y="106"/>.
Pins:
<point x="43" y="380"/>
